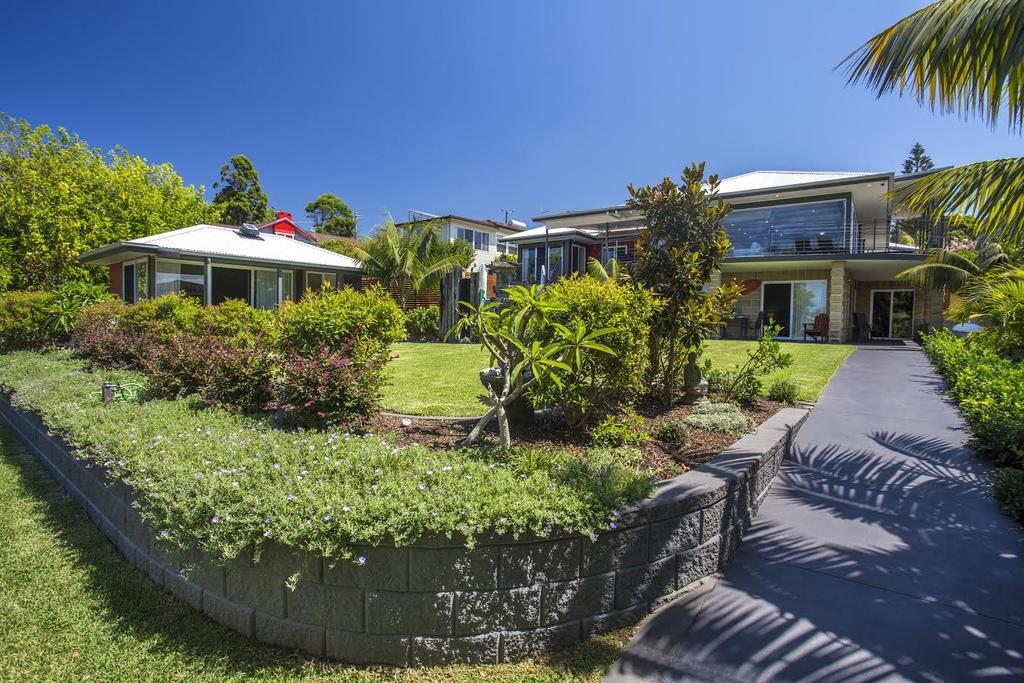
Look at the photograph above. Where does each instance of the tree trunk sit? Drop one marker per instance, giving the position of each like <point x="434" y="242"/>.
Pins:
<point x="449" y="304"/>
<point x="668" y="388"/>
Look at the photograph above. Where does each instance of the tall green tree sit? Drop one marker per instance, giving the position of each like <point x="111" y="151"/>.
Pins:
<point x="331" y="215"/>
<point x="240" y="198"/>
<point x="409" y="258"/>
<point x="684" y="243"/>
<point x="917" y="160"/>
<point x="964" y="57"/>
<point x="60" y="197"/>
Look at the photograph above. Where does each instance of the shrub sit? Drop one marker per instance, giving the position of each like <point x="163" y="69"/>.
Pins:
<point x="765" y="358"/>
<point x="98" y="336"/>
<point x="719" y="417"/>
<point x="24" y="320"/>
<point x="672" y="431"/>
<point x="178" y="366"/>
<point x="67" y="302"/>
<point x="423" y="324"/>
<point x="989" y="390"/>
<point x="161" y="318"/>
<point x="240" y="324"/>
<point x="329" y="387"/>
<point x="607" y="381"/>
<point x="784" y="391"/>
<point x="238" y="375"/>
<point x="717" y="379"/>
<point x="620" y="430"/>
<point x="332" y="317"/>
<point x="1008" y="488"/>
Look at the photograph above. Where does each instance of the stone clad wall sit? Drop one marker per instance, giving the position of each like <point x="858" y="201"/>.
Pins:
<point x="437" y="602"/>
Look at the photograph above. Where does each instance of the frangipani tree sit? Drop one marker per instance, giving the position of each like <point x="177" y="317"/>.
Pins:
<point x="518" y="358"/>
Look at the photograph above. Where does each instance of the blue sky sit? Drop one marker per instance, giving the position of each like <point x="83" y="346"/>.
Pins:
<point x="470" y="107"/>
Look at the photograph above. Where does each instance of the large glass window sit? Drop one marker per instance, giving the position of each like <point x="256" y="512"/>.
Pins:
<point x="481" y="241"/>
<point x="265" y="290"/>
<point x="185" y="278"/>
<point x="793" y="304"/>
<point x="805" y="228"/>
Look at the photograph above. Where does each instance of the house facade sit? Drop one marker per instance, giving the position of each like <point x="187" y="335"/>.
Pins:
<point x="262" y="265"/>
<point x="804" y="244"/>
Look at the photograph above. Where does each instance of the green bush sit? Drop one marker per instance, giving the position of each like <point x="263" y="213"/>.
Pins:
<point x="989" y="390"/>
<point x="423" y="324"/>
<point x="227" y="483"/>
<point x="99" y="338"/>
<point x="620" y="430"/>
<point x="784" y="391"/>
<point x="239" y="323"/>
<point x="719" y="417"/>
<point x="24" y="320"/>
<point x="1008" y="488"/>
<point x="609" y="381"/>
<point x="672" y="431"/>
<point x="67" y="302"/>
<point x="159" y="319"/>
<point x="330" y="317"/>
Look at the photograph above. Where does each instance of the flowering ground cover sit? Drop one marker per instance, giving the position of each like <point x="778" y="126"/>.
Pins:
<point x="224" y="482"/>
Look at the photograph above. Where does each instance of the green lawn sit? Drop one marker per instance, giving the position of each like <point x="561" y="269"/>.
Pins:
<point x="441" y="379"/>
<point x="74" y="610"/>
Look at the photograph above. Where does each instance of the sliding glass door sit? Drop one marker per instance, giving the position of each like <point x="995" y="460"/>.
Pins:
<point x="792" y="304"/>
<point x="892" y="313"/>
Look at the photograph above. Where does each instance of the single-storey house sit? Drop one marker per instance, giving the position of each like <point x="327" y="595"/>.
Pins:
<point x="804" y="244"/>
<point x="262" y="265"/>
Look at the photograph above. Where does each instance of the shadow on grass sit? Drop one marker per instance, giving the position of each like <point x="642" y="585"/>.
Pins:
<point x="148" y="614"/>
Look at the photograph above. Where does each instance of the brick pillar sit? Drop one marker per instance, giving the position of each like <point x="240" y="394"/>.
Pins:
<point x="837" y="303"/>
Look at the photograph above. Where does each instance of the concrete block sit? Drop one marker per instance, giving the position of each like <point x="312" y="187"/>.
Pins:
<point x="561" y="602"/>
<point x="482" y="649"/>
<point x="675" y="535"/>
<point x="421" y="613"/>
<point x="385" y="569"/>
<point x="332" y="606"/>
<point x="516" y="645"/>
<point x="283" y="561"/>
<point x="626" y="548"/>
<point x="183" y="589"/>
<point x="639" y="585"/>
<point x="611" y="621"/>
<point x="502" y="610"/>
<point x="712" y="520"/>
<point x="256" y="589"/>
<point x="286" y="633"/>
<point x="531" y="563"/>
<point x="698" y="563"/>
<point x="362" y="648"/>
<point x="446" y="569"/>
<point x="236" y="617"/>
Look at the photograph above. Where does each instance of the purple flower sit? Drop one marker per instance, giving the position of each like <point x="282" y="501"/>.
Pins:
<point x="164" y="534"/>
<point x="550" y="485"/>
<point x="277" y="465"/>
<point x="422" y="486"/>
<point x="361" y="560"/>
<point x="327" y="518"/>
<point x="613" y="525"/>
<point x="215" y="519"/>
<point x="344" y="508"/>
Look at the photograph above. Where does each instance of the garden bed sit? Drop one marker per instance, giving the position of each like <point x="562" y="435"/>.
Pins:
<point x="664" y="459"/>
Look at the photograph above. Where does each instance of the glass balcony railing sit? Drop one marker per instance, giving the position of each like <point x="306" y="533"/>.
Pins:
<point x="829" y="238"/>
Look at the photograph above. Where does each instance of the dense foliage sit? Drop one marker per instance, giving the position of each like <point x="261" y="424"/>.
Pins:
<point x="62" y="197"/>
<point x="682" y="246"/>
<point x="240" y="199"/>
<point x="227" y="483"/>
<point x="989" y="390"/>
<point x="423" y="323"/>
<point x="604" y="381"/>
<point x="332" y="215"/>
<point x="24" y="320"/>
<point x="319" y="361"/>
<point x="719" y="417"/>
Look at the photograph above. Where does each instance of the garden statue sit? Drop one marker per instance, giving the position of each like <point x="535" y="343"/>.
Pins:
<point x="695" y="387"/>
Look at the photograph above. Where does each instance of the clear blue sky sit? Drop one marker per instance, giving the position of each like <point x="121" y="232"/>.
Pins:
<point x="470" y="107"/>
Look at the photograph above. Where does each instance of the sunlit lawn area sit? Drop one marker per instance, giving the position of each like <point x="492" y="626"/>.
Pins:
<point x="74" y="610"/>
<point x="442" y="379"/>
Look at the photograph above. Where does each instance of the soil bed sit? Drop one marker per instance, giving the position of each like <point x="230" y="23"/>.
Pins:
<point x="666" y="459"/>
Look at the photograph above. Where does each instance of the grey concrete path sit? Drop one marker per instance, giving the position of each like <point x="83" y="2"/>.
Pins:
<point x="879" y="554"/>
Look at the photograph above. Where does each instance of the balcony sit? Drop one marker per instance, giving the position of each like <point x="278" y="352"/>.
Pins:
<point x="809" y="239"/>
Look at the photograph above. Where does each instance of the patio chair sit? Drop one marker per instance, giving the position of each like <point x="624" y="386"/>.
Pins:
<point x="817" y="330"/>
<point x="860" y="327"/>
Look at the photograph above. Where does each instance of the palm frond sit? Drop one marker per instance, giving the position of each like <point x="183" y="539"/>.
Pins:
<point x="942" y="269"/>
<point x="956" y="56"/>
<point x="992" y="191"/>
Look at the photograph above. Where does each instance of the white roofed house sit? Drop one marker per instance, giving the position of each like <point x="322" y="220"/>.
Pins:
<point x="814" y="251"/>
<point x="257" y="264"/>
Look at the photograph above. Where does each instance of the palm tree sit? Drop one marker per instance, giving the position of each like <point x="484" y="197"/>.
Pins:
<point x="612" y="270"/>
<point x="953" y="270"/>
<point x="410" y="257"/>
<point x="964" y="57"/>
<point x="996" y="301"/>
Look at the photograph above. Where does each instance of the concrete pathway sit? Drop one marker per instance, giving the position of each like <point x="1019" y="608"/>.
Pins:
<point x="878" y="554"/>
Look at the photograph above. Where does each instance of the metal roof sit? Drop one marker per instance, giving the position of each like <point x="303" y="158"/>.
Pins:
<point x="227" y="243"/>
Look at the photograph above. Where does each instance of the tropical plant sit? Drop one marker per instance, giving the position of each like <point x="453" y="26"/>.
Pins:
<point x="684" y="243"/>
<point x="521" y="358"/>
<point x="996" y="301"/>
<point x="611" y="270"/>
<point x="963" y="57"/>
<point x="332" y="215"/>
<point x="240" y="198"/>
<point x="951" y="269"/>
<point x="409" y="258"/>
<point x="67" y="302"/>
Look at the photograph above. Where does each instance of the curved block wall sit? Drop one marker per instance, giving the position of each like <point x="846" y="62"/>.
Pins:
<point x="437" y="602"/>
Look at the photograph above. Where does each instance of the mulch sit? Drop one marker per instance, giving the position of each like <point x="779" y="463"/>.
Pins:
<point x="666" y="459"/>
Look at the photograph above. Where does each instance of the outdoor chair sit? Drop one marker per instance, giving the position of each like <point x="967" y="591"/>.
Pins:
<point x="817" y="330"/>
<point x="860" y="327"/>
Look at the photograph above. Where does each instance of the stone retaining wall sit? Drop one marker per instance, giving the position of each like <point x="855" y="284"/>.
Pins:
<point x="437" y="602"/>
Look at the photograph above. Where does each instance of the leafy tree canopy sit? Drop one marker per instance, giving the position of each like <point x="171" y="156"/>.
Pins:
<point x="240" y="198"/>
<point x="917" y="161"/>
<point x="331" y="215"/>
<point x="61" y="197"/>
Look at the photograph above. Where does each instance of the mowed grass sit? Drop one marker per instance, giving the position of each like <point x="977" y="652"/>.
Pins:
<point x="74" y="610"/>
<point x="442" y="379"/>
